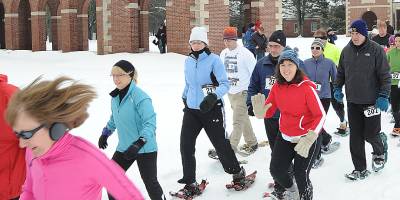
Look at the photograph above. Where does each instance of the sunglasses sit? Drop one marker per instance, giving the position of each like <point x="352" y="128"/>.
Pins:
<point x="321" y="37"/>
<point x="28" y="134"/>
<point x="316" y="48"/>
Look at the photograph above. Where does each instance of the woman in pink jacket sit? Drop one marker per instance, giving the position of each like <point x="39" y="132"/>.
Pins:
<point x="59" y="165"/>
<point x="301" y="120"/>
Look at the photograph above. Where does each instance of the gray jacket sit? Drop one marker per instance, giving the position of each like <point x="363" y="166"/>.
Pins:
<point x="365" y="72"/>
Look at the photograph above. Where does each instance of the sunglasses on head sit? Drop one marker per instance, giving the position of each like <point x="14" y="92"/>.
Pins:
<point x="28" y="134"/>
<point x="321" y="37"/>
<point x="317" y="48"/>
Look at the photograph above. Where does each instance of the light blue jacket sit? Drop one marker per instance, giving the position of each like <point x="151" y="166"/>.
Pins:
<point x="133" y="117"/>
<point x="197" y="74"/>
<point x="321" y="70"/>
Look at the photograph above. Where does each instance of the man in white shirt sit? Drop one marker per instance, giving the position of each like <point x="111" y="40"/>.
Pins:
<point x="239" y="65"/>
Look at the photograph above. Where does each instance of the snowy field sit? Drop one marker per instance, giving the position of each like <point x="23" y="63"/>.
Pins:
<point x="161" y="76"/>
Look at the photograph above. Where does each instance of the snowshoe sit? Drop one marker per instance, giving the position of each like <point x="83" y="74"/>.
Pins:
<point x="357" y="175"/>
<point x="332" y="147"/>
<point x="276" y="194"/>
<point x="213" y="154"/>
<point x="191" y="191"/>
<point x="242" y="183"/>
<point x="318" y="163"/>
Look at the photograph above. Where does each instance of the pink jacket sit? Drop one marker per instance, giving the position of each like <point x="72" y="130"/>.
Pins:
<point x="75" y="169"/>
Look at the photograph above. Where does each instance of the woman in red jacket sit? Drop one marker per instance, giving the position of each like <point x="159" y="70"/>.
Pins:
<point x="12" y="162"/>
<point x="301" y="120"/>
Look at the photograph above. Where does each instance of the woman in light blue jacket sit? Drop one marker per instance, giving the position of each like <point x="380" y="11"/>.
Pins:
<point x="321" y="70"/>
<point x="134" y="118"/>
<point x="206" y="83"/>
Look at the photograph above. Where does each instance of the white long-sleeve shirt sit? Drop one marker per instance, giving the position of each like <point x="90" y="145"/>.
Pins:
<point x="239" y="65"/>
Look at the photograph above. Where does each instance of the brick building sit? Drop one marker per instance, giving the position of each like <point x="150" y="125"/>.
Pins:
<point x="122" y="25"/>
<point x="372" y="10"/>
<point x="291" y="28"/>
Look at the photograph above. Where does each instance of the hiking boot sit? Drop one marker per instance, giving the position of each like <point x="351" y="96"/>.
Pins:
<point x="292" y="193"/>
<point x="249" y="148"/>
<point x="278" y="193"/>
<point x="239" y="178"/>
<point x="325" y="148"/>
<point x="343" y="125"/>
<point x="192" y="189"/>
<point x="396" y="132"/>
<point x="318" y="162"/>
<point x="358" y="175"/>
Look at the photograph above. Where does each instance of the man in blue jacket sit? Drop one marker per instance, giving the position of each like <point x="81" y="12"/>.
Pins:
<point x="262" y="79"/>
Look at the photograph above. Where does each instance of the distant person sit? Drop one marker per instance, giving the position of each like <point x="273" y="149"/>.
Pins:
<point x="331" y="35"/>
<point x="162" y="38"/>
<point x="260" y="40"/>
<point x="383" y="37"/>
<point x="390" y="28"/>
<point x="247" y="39"/>
<point x="12" y="163"/>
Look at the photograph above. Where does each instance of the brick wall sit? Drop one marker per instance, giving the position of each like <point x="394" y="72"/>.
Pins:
<point x="356" y="8"/>
<point x="218" y="19"/>
<point x="178" y="25"/>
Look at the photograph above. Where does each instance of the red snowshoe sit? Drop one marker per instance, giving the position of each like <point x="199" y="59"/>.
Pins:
<point x="189" y="192"/>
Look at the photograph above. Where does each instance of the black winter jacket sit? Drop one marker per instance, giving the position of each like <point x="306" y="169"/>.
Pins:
<point x="365" y="72"/>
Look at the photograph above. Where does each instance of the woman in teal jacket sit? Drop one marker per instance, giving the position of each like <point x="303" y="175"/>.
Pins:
<point x="134" y="117"/>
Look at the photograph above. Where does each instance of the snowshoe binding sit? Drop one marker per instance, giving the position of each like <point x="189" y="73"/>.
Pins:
<point x="190" y="191"/>
<point x="358" y="175"/>
<point x="241" y="181"/>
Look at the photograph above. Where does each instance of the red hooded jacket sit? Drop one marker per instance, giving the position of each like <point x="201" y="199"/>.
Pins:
<point x="12" y="158"/>
<point x="300" y="107"/>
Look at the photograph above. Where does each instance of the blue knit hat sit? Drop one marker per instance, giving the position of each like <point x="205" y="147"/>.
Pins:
<point x="359" y="26"/>
<point x="291" y="55"/>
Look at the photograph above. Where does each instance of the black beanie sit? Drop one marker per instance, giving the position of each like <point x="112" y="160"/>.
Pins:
<point x="278" y="37"/>
<point x="126" y="66"/>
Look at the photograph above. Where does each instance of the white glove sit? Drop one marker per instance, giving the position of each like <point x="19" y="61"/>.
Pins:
<point x="259" y="107"/>
<point x="303" y="146"/>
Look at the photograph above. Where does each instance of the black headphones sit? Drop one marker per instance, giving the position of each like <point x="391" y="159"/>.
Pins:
<point x="57" y="130"/>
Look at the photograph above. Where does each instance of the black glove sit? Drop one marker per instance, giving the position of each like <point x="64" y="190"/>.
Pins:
<point x="250" y="111"/>
<point x="208" y="103"/>
<point x="103" y="138"/>
<point x="133" y="150"/>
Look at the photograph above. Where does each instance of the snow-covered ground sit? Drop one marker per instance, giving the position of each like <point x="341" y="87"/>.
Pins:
<point x="162" y="77"/>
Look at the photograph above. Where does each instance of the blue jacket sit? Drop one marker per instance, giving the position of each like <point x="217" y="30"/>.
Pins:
<point x="198" y="74"/>
<point x="321" y="71"/>
<point x="248" y="43"/>
<point x="264" y="69"/>
<point x="133" y="117"/>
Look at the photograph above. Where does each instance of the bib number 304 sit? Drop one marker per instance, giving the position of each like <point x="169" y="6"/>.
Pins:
<point x="371" y="111"/>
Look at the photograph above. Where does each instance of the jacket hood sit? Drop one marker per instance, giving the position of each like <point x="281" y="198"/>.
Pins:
<point x="3" y="78"/>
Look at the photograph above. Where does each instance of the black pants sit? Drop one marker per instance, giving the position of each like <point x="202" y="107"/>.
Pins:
<point x="272" y="129"/>
<point x="282" y="157"/>
<point x="363" y="129"/>
<point x="161" y="45"/>
<point x="214" y="126"/>
<point x="325" y="137"/>
<point x="147" y="164"/>
<point x="337" y="106"/>
<point x="395" y="102"/>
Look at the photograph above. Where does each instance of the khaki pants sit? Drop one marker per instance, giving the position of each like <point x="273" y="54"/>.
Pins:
<point x="241" y="121"/>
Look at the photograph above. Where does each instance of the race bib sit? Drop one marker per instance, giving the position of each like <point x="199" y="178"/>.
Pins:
<point x="208" y="89"/>
<point x="269" y="82"/>
<point x="371" y="111"/>
<point x="396" y="75"/>
<point x="233" y="81"/>
<point x="319" y="86"/>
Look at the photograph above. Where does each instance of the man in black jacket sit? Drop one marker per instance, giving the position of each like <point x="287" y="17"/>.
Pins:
<point x="162" y="37"/>
<point x="365" y="71"/>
